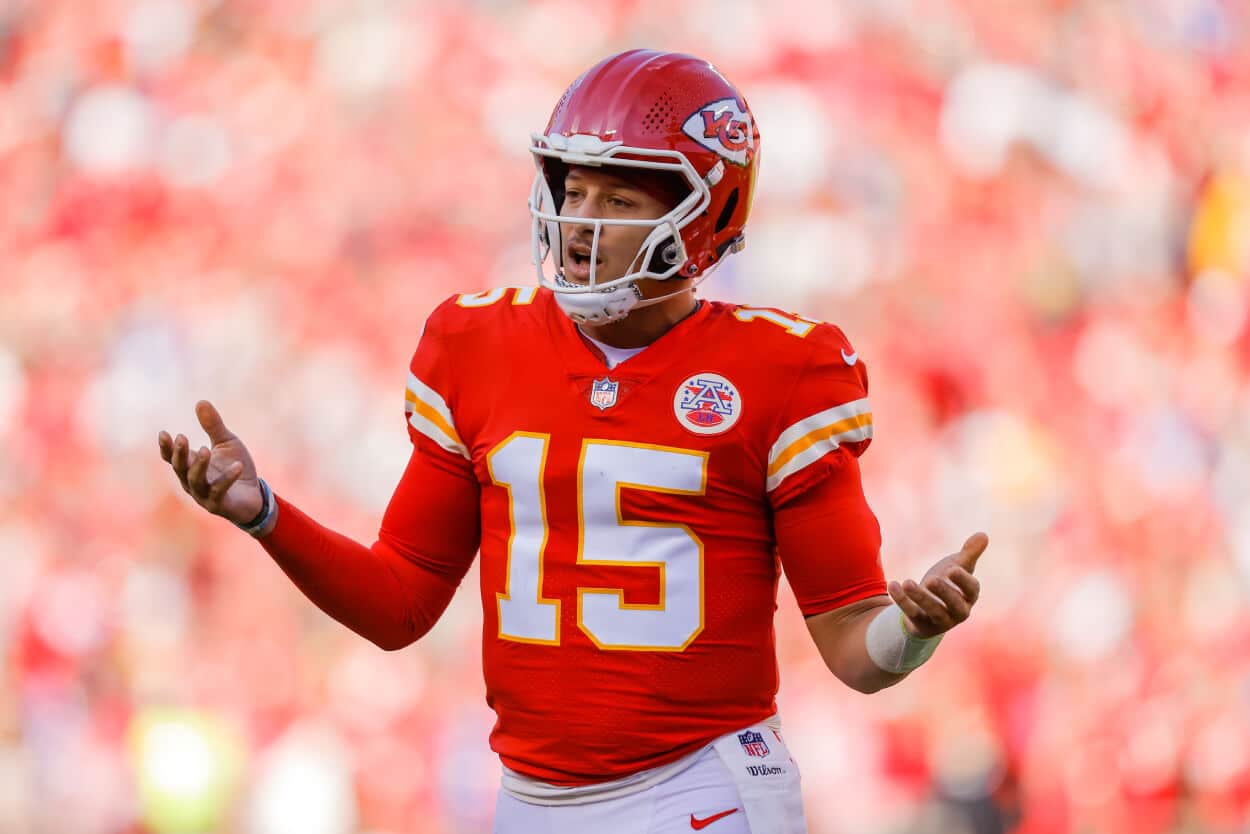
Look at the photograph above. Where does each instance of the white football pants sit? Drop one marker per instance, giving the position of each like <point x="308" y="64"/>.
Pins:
<point x="744" y="783"/>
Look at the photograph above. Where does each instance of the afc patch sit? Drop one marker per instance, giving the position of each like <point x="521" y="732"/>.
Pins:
<point x="753" y="744"/>
<point x="707" y="404"/>
<point x="603" y="393"/>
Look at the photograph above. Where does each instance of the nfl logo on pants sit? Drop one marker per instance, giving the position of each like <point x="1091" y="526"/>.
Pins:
<point x="753" y="743"/>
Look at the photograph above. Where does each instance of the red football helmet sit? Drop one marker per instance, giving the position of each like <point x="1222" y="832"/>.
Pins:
<point x="662" y="111"/>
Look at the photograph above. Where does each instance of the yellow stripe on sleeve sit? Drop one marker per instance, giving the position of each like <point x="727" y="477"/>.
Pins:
<point x="850" y="424"/>
<point x="811" y="438"/>
<point x="428" y="413"/>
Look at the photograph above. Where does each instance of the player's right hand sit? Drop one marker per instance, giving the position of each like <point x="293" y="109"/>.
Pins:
<point x="221" y="478"/>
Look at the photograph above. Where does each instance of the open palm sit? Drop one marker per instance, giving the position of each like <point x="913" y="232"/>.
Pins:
<point x="222" y="477"/>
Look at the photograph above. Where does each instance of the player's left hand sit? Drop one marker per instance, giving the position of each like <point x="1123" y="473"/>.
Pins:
<point x="944" y="598"/>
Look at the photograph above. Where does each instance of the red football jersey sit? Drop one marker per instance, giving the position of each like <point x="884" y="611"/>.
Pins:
<point x="628" y="555"/>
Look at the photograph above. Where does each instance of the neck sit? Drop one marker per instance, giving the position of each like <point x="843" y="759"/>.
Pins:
<point x="645" y="324"/>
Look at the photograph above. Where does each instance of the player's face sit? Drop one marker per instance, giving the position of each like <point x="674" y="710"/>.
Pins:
<point x="598" y="192"/>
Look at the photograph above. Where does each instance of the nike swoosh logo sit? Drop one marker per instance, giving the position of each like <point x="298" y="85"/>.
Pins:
<point x="850" y="359"/>
<point x="700" y="824"/>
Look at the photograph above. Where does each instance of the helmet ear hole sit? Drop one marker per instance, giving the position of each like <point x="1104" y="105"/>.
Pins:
<point x="727" y="212"/>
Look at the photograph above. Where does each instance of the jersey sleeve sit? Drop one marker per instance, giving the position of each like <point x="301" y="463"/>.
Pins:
<point x="829" y="540"/>
<point x="433" y="519"/>
<point x="826" y="412"/>
<point x="430" y="392"/>
<point x="827" y="537"/>
<point x="393" y="592"/>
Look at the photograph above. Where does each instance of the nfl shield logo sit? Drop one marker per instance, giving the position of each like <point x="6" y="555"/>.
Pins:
<point x="603" y="393"/>
<point x="753" y="743"/>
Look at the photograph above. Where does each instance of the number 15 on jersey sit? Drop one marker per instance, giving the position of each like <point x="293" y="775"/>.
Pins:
<point x="605" y="467"/>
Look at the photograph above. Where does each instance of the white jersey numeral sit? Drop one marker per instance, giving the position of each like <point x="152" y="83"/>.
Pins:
<point x="517" y="465"/>
<point x="605" y="537"/>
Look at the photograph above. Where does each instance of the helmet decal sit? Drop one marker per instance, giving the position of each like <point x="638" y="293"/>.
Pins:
<point x="724" y="128"/>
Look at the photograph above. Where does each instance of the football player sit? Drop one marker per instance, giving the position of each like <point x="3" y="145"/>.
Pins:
<point x="635" y="466"/>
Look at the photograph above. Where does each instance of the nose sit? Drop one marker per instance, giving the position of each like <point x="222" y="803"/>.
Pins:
<point x="580" y="224"/>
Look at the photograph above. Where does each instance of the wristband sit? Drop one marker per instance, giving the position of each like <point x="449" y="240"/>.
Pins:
<point x="892" y="647"/>
<point x="268" y="509"/>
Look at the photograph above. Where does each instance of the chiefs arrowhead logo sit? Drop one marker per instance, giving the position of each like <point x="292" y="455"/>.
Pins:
<point x="723" y="127"/>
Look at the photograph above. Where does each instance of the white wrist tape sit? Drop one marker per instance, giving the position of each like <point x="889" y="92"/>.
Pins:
<point x="892" y="647"/>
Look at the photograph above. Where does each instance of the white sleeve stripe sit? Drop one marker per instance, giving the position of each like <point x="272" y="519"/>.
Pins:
<point x="815" y="452"/>
<point x="430" y="397"/>
<point x="818" y="421"/>
<point x="428" y="413"/>
<point x="820" y="435"/>
<point x="419" y="422"/>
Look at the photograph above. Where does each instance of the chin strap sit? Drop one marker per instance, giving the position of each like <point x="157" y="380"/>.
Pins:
<point x="603" y="306"/>
<point x="598" y="307"/>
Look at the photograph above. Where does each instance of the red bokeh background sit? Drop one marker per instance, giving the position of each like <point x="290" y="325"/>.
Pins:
<point x="1032" y="219"/>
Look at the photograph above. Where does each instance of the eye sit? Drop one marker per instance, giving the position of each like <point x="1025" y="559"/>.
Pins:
<point x="619" y="202"/>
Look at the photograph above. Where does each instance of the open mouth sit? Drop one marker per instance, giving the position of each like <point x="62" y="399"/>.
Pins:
<point x="581" y="257"/>
<point x="577" y="263"/>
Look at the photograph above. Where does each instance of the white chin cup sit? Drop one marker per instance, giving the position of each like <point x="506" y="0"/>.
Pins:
<point x="598" y="307"/>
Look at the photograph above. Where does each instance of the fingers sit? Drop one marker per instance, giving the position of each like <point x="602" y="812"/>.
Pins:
<point x="933" y="608"/>
<point x="937" y="605"/>
<point x="927" y="614"/>
<point x="205" y="481"/>
<point x="908" y="606"/>
<point x="178" y="459"/>
<point x="968" y="584"/>
<point x="957" y="607"/>
<point x="217" y="491"/>
<point x="210" y="493"/>
<point x="968" y="555"/>
<point x="197" y="474"/>
<point x="212" y="423"/>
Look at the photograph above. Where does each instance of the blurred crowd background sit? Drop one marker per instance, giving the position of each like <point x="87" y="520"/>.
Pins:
<point x="1031" y="217"/>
